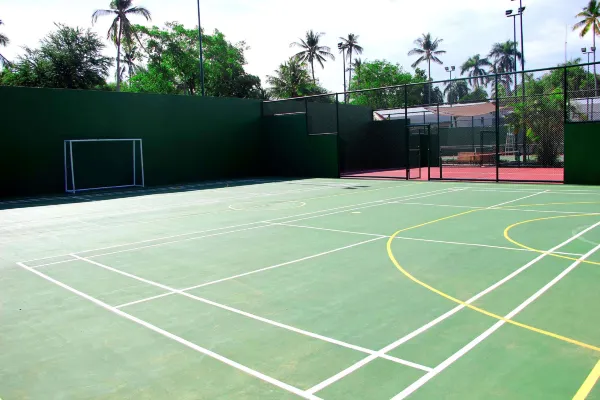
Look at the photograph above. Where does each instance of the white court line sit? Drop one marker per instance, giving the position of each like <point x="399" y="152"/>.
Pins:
<point x="450" y="360"/>
<point x="93" y="213"/>
<point x="176" y="338"/>
<point x="256" y="271"/>
<point x="501" y="209"/>
<point x="311" y="215"/>
<point x="253" y="316"/>
<point x="421" y="240"/>
<point x="322" y="385"/>
<point x="446" y="315"/>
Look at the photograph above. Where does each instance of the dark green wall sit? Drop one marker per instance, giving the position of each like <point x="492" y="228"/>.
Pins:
<point x="291" y="152"/>
<point x="582" y="141"/>
<point x="186" y="138"/>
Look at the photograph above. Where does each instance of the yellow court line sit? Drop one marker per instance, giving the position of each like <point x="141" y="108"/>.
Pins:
<point x="474" y="308"/>
<point x="556" y="204"/>
<point x="589" y="383"/>
<point x="507" y="236"/>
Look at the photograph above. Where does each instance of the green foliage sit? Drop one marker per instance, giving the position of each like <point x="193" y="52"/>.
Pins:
<point x="4" y="41"/>
<point x="312" y="51"/>
<point x="69" y="58"/>
<point x="541" y="115"/>
<point x="173" y="66"/>
<point x="475" y="67"/>
<point x="292" y="79"/>
<point x="455" y="91"/>
<point x="478" y="94"/>
<point x="382" y="73"/>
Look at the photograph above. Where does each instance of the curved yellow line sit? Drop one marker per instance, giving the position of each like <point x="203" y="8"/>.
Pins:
<point x="467" y="305"/>
<point x="507" y="236"/>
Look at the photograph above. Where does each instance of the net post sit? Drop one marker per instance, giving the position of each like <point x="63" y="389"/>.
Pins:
<point x="72" y="168"/>
<point x="497" y="123"/>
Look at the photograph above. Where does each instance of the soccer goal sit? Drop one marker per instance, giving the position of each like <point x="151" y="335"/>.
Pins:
<point x="96" y="164"/>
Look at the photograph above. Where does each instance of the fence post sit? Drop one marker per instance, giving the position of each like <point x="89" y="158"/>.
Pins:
<point x="497" y="130"/>
<point x="407" y="133"/>
<point x="306" y="115"/>
<point x="337" y="128"/>
<point x="565" y="95"/>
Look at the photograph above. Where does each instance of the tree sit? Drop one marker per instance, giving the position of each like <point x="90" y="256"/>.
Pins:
<point x="356" y="67"/>
<point x="69" y="58"/>
<point x="590" y="20"/>
<point x="474" y="66"/>
<point x="313" y="51"/>
<point x="292" y="79"/>
<point x="350" y="45"/>
<point x="4" y="41"/>
<point x="477" y="95"/>
<point x="381" y="73"/>
<point x="455" y="91"/>
<point x="121" y="26"/>
<point x="505" y="56"/>
<point x="428" y="51"/>
<point x="172" y="64"/>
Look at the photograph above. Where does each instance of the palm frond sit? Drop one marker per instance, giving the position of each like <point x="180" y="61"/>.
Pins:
<point x="416" y="51"/>
<point x="101" y="13"/>
<point x="4" y="41"/>
<point x="140" y="11"/>
<point x="419" y="61"/>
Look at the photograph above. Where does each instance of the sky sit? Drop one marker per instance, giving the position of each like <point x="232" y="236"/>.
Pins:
<point x="386" y="28"/>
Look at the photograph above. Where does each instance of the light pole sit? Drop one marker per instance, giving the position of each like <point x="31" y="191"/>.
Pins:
<point x="520" y="14"/>
<point x="343" y="51"/>
<point x="201" y="52"/>
<point x="450" y="70"/>
<point x="592" y="51"/>
<point x="509" y="14"/>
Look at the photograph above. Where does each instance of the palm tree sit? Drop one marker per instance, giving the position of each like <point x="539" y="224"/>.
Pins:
<point x="356" y="67"/>
<point x="121" y="27"/>
<point x="456" y="90"/>
<point x="590" y="20"/>
<point x="428" y="51"/>
<point x="312" y="51"/>
<point x="350" y="45"/>
<point x="505" y="56"/>
<point x="474" y="66"/>
<point x="290" y="80"/>
<point x="4" y="41"/>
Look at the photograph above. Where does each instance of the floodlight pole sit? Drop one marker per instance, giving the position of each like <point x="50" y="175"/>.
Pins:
<point x="341" y="47"/>
<point x="201" y="52"/>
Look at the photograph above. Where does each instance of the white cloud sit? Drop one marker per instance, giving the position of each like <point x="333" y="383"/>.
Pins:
<point x="387" y="28"/>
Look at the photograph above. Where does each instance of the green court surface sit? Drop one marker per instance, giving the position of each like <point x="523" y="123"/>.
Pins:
<point x="320" y="288"/>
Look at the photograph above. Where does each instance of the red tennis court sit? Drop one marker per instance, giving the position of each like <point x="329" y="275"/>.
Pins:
<point x="469" y="173"/>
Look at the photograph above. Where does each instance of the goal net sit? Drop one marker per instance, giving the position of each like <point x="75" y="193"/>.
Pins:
<point x="95" y="164"/>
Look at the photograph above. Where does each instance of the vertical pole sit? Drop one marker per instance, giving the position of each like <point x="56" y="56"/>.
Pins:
<point x="515" y="49"/>
<point x="565" y="95"/>
<point x="66" y="178"/>
<point x="142" y="163"/>
<point x="201" y="52"/>
<point x="497" y="158"/>
<point x="337" y="124"/>
<point x="439" y="147"/>
<point x="473" y="131"/>
<point x="134" y="165"/>
<point x="587" y="112"/>
<point x="345" y="85"/>
<point x="306" y="115"/>
<point x="72" y="168"/>
<point x="407" y="132"/>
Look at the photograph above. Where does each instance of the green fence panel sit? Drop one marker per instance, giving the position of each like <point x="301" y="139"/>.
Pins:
<point x="185" y="138"/>
<point x="582" y="141"/>
<point x="291" y="152"/>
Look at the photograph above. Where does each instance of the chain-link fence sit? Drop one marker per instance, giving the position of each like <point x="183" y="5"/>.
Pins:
<point x="503" y="127"/>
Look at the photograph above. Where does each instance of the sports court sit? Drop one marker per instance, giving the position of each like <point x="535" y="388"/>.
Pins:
<point x="315" y="288"/>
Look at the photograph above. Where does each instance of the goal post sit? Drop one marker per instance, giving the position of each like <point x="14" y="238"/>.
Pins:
<point x="97" y="164"/>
